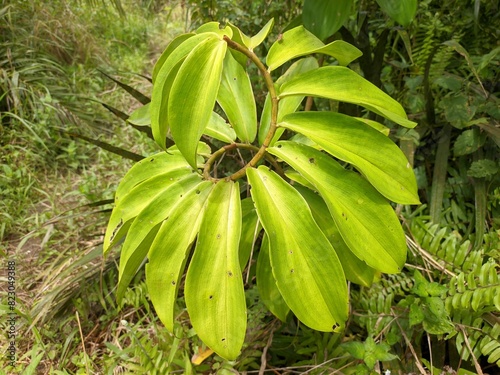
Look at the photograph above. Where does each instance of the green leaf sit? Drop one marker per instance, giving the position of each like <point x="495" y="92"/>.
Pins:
<point x="159" y="163"/>
<point x="340" y="83"/>
<point x="215" y="27"/>
<point x="236" y="98"/>
<point x="375" y="155"/>
<point x="401" y="11"/>
<point x="193" y="95"/>
<point x="376" y="125"/>
<point x="457" y="110"/>
<point x="307" y="270"/>
<point x="257" y="39"/>
<point x="325" y="17"/>
<point x="483" y="168"/>
<point x="354" y="348"/>
<point x="214" y="291"/>
<point x="131" y="204"/>
<point x="144" y="229"/>
<point x="219" y="129"/>
<point x="140" y="116"/>
<point x="467" y="142"/>
<point x="176" y="42"/>
<point x="266" y="284"/>
<point x="286" y="105"/>
<point x="240" y="38"/>
<point x="300" y="42"/>
<point x="250" y="230"/>
<point x="364" y="218"/>
<point x="416" y="315"/>
<point x="355" y="269"/>
<point x="163" y="84"/>
<point x="170" y="248"/>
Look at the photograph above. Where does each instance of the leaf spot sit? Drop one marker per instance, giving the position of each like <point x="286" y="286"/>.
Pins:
<point x="223" y="339"/>
<point x="292" y="270"/>
<point x="408" y="165"/>
<point x="210" y="297"/>
<point x="312" y="160"/>
<point x="152" y="159"/>
<point x="290" y="252"/>
<point x="218" y="236"/>
<point x="279" y="146"/>
<point x="173" y="282"/>
<point x="229" y="273"/>
<point x="335" y="326"/>
<point x="198" y="191"/>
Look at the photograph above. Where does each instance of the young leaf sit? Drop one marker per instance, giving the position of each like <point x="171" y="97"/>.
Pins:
<point x="257" y="39"/>
<point x="214" y="287"/>
<point x="168" y="253"/>
<point x="266" y="284"/>
<point x="235" y="96"/>
<point x="355" y="269"/>
<point x="144" y="229"/>
<point x="364" y="218"/>
<point x="307" y="270"/>
<point x="340" y="83"/>
<point x="325" y="17"/>
<point x="300" y="42"/>
<point x="193" y="95"/>
<point x="375" y="155"/>
<point x="219" y="129"/>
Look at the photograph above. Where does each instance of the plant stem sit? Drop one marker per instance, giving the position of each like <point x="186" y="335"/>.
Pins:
<point x="274" y="107"/>
<point x="217" y="154"/>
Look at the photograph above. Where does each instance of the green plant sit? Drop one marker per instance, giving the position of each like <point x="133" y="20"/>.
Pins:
<point x="322" y="222"/>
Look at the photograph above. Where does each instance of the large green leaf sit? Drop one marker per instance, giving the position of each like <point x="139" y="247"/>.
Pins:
<point x="144" y="229"/>
<point x="325" y="17"/>
<point x="355" y="269"/>
<point x="176" y="42"/>
<point x="153" y="165"/>
<point x="307" y="270"/>
<point x="300" y="42"/>
<point x="131" y="204"/>
<point x="365" y="219"/>
<point x="375" y="155"/>
<point x="163" y="84"/>
<point x="340" y="83"/>
<point x="250" y="229"/>
<point x="193" y="95"/>
<point x="236" y="98"/>
<point x="286" y="105"/>
<point x="168" y="253"/>
<point x="266" y="284"/>
<point x="219" y="129"/>
<point x="214" y="292"/>
<point x="401" y="11"/>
